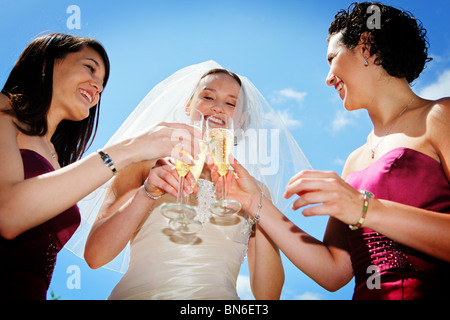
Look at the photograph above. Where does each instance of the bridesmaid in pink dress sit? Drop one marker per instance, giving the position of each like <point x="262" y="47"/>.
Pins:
<point x="412" y="178"/>
<point x="48" y="115"/>
<point x="389" y="223"/>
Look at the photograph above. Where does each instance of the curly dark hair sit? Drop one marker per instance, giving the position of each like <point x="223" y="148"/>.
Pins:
<point x="399" y="43"/>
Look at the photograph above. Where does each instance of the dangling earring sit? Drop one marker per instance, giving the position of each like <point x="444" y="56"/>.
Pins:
<point x="366" y="63"/>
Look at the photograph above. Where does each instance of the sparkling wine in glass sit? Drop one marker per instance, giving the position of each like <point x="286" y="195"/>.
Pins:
<point x="220" y="137"/>
<point x="181" y="215"/>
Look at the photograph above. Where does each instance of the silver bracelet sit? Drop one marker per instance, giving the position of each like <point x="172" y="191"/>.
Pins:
<point x="148" y="193"/>
<point x="257" y="216"/>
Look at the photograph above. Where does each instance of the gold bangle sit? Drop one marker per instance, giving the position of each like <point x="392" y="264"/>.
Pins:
<point x="367" y="196"/>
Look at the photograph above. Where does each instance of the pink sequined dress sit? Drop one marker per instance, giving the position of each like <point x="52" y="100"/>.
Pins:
<point x="27" y="262"/>
<point x="383" y="268"/>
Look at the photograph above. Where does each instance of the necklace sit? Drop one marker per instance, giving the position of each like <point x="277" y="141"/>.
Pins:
<point x="390" y="128"/>
<point x="50" y="148"/>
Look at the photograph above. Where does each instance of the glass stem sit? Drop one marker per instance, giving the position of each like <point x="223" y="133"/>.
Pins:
<point x="224" y="188"/>
<point x="180" y="196"/>
<point x="180" y="190"/>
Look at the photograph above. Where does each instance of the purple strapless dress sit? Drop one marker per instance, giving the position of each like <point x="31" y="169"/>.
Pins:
<point x="27" y="262"/>
<point x="412" y="178"/>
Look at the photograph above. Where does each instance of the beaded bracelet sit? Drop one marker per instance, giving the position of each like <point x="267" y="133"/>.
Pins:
<point x="367" y="196"/>
<point x="257" y="217"/>
<point x="107" y="161"/>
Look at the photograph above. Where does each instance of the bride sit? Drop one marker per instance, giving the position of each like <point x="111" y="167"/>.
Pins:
<point x="163" y="264"/>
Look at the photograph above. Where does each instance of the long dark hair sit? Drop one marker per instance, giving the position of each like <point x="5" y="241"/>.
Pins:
<point x="30" y="87"/>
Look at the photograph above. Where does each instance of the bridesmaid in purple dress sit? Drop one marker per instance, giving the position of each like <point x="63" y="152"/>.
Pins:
<point x="48" y="114"/>
<point x="389" y="223"/>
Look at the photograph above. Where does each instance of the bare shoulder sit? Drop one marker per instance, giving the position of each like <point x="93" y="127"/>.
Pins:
<point x="353" y="161"/>
<point x="438" y="119"/>
<point x="5" y="103"/>
<point x="440" y="110"/>
<point x="10" y="159"/>
<point x="438" y="129"/>
<point x="7" y="121"/>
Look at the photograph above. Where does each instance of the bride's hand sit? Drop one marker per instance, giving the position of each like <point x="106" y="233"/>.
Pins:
<point x="241" y="186"/>
<point x="163" y="178"/>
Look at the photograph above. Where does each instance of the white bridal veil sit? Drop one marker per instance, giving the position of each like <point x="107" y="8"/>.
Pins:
<point x="264" y="145"/>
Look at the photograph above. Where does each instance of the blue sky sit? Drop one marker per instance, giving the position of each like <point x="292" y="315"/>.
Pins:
<point x="279" y="45"/>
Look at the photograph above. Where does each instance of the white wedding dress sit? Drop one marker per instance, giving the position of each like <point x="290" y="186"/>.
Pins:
<point x="165" y="265"/>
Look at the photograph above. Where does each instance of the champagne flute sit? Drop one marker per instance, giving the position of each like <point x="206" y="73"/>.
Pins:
<point x="181" y="214"/>
<point x="220" y="137"/>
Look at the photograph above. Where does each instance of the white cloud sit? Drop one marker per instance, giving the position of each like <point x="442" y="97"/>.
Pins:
<point x="243" y="288"/>
<point x="293" y="94"/>
<point x="245" y="292"/>
<point x="339" y="161"/>
<point x="286" y="117"/>
<point x="439" y="89"/>
<point x="308" y="296"/>
<point x="282" y="96"/>
<point x="288" y="94"/>
<point x="341" y="120"/>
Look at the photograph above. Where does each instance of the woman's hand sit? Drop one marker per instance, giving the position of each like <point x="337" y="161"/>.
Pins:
<point x="328" y="193"/>
<point x="163" y="178"/>
<point x="241" y="186"/>
<point x="176" y="140"/>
